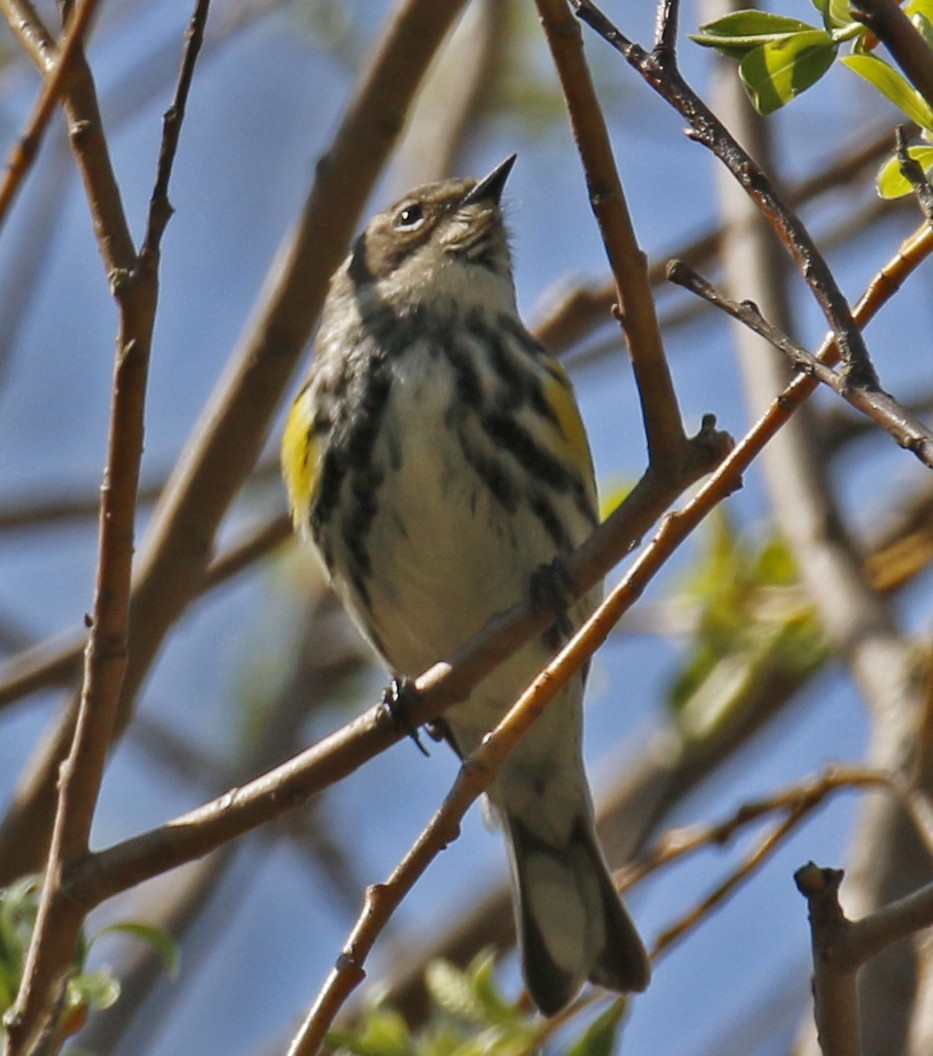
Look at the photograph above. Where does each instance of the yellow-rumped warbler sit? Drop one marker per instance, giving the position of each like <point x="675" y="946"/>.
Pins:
<point x="437" y="459"/>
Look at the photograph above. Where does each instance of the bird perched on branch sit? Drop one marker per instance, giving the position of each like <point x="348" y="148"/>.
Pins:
<point x="437" y="460"/>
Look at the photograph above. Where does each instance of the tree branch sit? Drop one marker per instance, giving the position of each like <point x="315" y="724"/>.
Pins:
<point x="659" y="69"/>
<point x="911" y="52"/>
<point x="842" y="946"/>
<point x="881" y="408"/>
<point x="59" y="68"/>
<point x="835" y="995"/>
<point x="667" y="443"/>
<point x="60" y="919"/>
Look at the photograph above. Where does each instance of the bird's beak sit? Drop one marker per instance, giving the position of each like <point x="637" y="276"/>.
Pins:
<point x="489" y="188"/>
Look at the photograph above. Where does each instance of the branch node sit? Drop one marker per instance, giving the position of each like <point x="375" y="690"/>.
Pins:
<point x="815" y="882"/>
<point x="913" y="172"/>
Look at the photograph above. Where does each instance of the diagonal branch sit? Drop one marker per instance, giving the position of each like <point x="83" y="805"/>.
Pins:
<point x="59" y="68"/>
<point x="659" y="69"/>
<point x="891" y="26"/>
<point x="667" y="443"/>
<point x="160" y="209"/>
<point x="883" y="409"/>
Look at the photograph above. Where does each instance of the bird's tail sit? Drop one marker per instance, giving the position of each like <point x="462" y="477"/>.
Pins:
<point x="572" y="925"/>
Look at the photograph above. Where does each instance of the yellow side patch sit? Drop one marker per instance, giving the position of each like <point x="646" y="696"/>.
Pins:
<point x="558" y="392"/>
<point x="299" y="461"/>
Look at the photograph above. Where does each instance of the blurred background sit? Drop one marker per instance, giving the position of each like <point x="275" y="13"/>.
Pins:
<point x="264" y="663"/>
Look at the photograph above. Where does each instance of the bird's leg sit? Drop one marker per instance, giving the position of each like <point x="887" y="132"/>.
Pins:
<point x="552" y="586"/>
<point x="399" y="697"/>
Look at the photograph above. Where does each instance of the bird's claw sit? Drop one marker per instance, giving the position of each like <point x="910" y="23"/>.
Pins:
<point x="398" y="699"/>
<point x="552" y="586"/>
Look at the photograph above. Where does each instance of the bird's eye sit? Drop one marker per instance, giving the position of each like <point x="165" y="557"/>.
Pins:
<point x="410" y="216"/>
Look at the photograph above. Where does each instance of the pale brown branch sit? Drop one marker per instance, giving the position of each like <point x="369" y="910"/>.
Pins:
<point x="30" y="31"/>
<point x="841" y="947"/>
<point x="26" y="148"/>
<point x="60" y="919"/>
<point x="835" y="995"/>
<point x="667" y="442"/>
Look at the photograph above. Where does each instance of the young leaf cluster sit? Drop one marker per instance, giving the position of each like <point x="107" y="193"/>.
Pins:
<point x="780" y="57"/>
<point x="469" y="1017"/>
<point x="755" y="625"/>
<point x="85" y="990"/>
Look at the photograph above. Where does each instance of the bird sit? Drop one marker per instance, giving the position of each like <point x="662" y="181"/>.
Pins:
<point x="436" y="460"/>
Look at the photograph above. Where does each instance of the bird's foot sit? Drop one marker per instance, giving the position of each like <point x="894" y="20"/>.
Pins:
<point x="399" y="698"/>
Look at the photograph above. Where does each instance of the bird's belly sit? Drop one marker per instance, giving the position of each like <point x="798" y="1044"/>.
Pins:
<point x="445" y="557"/>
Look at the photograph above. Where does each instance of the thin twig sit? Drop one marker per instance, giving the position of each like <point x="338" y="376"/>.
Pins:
<point x="797" y="802"/>
<point x="659" y="70"/>
<point x="160" y="209"/>
<point x="803" y="796"/>
<point x="26" y="148"/>
<point x="913" y="172"/>
<point x="753" y="861"/>
<point x="885" y="411"/>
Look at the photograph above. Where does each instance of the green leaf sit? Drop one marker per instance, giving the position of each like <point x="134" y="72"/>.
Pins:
<point x="778" y="71"/>
<point x="739" y="33"/>
<point x="384" y="1033"/>
<point x="497" y="1009"/>
<point x="97" y="989"/>
<point x="159" y="939"/>
<point x="919" y="7"/>
<point x="893" y="85"/>
<point x="753" y="624"/>
<point x="835" y="13"/>
<point x="18" y="907"/>
<point x="599" y="1038"/>
<point x="453" y="990"/>
<point x="923" y="23"/>
<point x="891" y="183"/>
